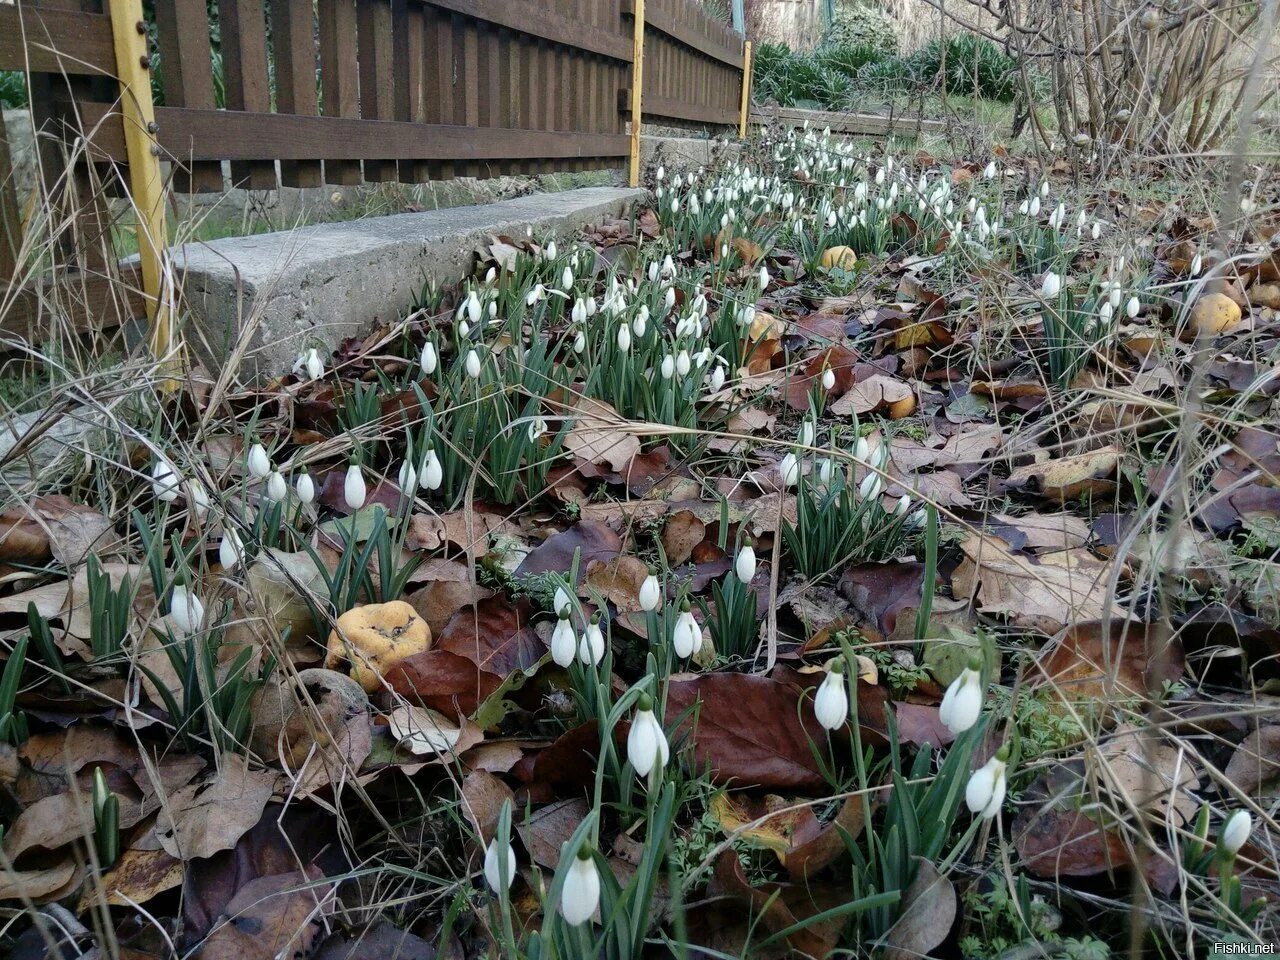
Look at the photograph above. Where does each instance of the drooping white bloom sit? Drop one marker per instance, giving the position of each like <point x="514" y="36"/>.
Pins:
<point x="186" y="609"/>
<point x="686" y="638"/>
<point x="165" y="481"/>
<point x="1051" y="285"/>
<point x="562" y="602"/>
<point x="744" y="564"/>
<point x="828" y="379"/>
<point x="861" y="450"/>
<point x="871" y="486"/>
<point x="579" y="342"/>
<point x="428" y="359"/>
<point x="716" y="380"/>
<point x="354" y="490"/>
<point x="624" y="338"/>
<point x="305" y="488"/>
<point x="230" y="550"/>
<point x="198" y="499"/>
<point x="310" y="363"/>
<point x="962" y="703"/>
<point x="647" y="745"/>
<point x="1044" y="188"/>
<point x="591" y="646"/>
<point x="431" y="473"/>
<point x="537" y="429"/>
<point x="903" y="505"/>
<point x="1096" y="230"/>
<point x="641" y="322"/>
<point x="473" y="308"/>
<point x="668" y="366"/>
<point x="551" y="250"/>
<point x="662" y="171"/>
<point x="1033" y="208"/>
<point x="789" y="468"/>
<point x="650" y="592"/>
<point x="408" y="477"/>
<point x="277" y="489"/>
<point x="989" y="171"/>
<point x="258" y="462"/>
<point x="1197" y="264"/>
<point x="683" y="362"/>
<point x="1132" y="307"/>
<point x="564" y="642"/>
<point x="464" y="329"/>
<point x="764" y="277"/>
<point x="580" y="894"/>
<point x="493" y="866"/>
<point x="566" y="279"/>
<point x="805" y="435"/>
<point x="985" y="791"/>
<point x="473" y="364"/>
<point x="831" y="704"/>
<point x="1235" y="832"/>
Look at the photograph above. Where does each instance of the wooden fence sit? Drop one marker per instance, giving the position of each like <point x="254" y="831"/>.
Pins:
<point x="309" y="92"/>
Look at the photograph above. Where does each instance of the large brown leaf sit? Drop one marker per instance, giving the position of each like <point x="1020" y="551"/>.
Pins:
<point x="203" y="818"/>
<point x="1094" y="664"/>
<point x="555" y="554"/>
<point x="496" y="636"/>
<point x="444" y="681"/>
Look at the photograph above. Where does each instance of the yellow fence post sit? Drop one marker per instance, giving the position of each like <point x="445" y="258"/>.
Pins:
<point x="746" y="89"/>
<point x="637" y="84"/>
<point x="146" y="187"/>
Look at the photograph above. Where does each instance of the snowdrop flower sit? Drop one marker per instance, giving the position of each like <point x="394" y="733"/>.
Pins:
<point x="744" y="564"/>
<point x="473" y="364"/>
<point x="804" y="437"/>
<point x="473" y="308"/>
<point x="1105" y="312"/>
<point x="904" y="504"/>
<point x="789" y="468"/>
<point x="668" y="366"/>
<point x="1132" y="307"/>
<point x="985" y="791"/>
<point x="198" y="499"/>
<point x="861" y="450"/>
<point x="580" y="894"/>
<point x="1235" y="832"/>
<point x="687" y="636"/>
<point x="675" y="204"/>
<point x="408" y="477"/>
<point x="431" y="473"/>
<point x="1116" y="296"/>
<point x="428" y="359"/>
<point x="551" y="250"/>
<point x="591" y="646"/>
<point x="650" y="592"/>
<point x="534" y="295"/>
<point x="1044" y="188"/>
<point x="1033" y="208"/>
<point x="962" y="703"/>
<point x="164" y="481"/>
<point x="492" y="866"/>
<point x="579" y="312"/>
<point x="310" y="362"/>
<point x="562" y="602"/>
<point x="566" y="279"/>
<point x="1197" y="264"/>
<point x="185" y="609"/>
<point x="764" y="277"/>
<point x="880" y="177"/>
<point x="537" y="429"/>
<point x="464" y="329"/>
<point x="354" y="490"/>
<point x="564" y="642"/>
<point x="579" y="342"/>
<point x="1051" y="285"/>
<point x="277" y="489"/>
<point x="641" y="323"/>
<point x="668" y="266"/>
<point x="831" y="704"/>
<point x="828" y="379"/>
<point x="826" y="471"/>
<point x="989" y="171"/>
<point x="305" y="487"/>
<point x="715" y="381"/>
<point x="669" y="300"/>
<point x="624" y="338"/>
<point x="647" y="745"/>
<point x="683" y="363"/>
<point x="662" y="171"/>
<point x="230" y="550"/>
<point x="870" y="487"/>
<point x="258" y="462"/>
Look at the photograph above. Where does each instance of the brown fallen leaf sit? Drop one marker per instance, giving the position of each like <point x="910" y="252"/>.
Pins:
<point x="876" y="393"/>
<point x="599" y="436"/>
<point x="926" y="913"/>
<point x="203" y="818"/>
<point x="617" y="581"/>
<point x="1065" y="478"/>
<point x="53" y="527"/>
<point x="38" y="882"/>
<point x="281" y="915"/>
<point x="1094" y="664"/>
<point x="139" y="876"/>
<point x="1159" y="778"/>
<point x="496" y="635"/>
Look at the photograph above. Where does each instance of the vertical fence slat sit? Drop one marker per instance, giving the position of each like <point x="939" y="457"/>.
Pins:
<point x="244" y="70"/>
<point x="186" y="74"/>
<point x="339" y="74"/>
<point x="293" y="27"/>
<point x="411" y="91"/>
<point x="373" y="46"/>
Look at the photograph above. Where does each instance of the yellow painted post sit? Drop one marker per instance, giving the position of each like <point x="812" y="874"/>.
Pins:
<point x="146" y="186"/>
<point x="746" y="89"/>
<point x="637" y="84"/>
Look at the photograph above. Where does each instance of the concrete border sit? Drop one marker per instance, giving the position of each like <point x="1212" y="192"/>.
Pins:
<point x="272" y="294"/>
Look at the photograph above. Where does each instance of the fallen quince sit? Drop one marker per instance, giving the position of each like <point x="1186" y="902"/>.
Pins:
<point x="374" y="637"/>
<point x="1213" y="314"/>
<point x="839" y="258"/>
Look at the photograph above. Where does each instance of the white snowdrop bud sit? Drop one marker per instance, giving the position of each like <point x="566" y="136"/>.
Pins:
<point x="650" y="592"/>
<point x="258" y="462"/>
<point x="473" y="308"/>
<point x="185" y="609"/>
<point x="564" y="642"/>
<point x="641" y="322"/>
<point x="828" y="379"/>
<point x="804" y="437"/>
<point x="1132" y="307"/>
<point x="1235" y="832"/>
<point x="579" y="312"/>
<point x="989" y="171"/>
<point x="1044" y="188"/>
<point x="579" y="342"/>
<point x="464" y="329"/>
<point x="870" y="487"/>
<point x="472" y="364"/>
<point x="962" y="703"/>
<point x="407" y="478"/>
<point x="686" y="637"/>
<point x="431" y="473"/>
<point x="744" y="564"/>
<point x="764" y="277"/>
<point x="353" y="488"/>
<point x="903" y="505"/>
<point x="716" y="379"/>
<point x="305" y="488"/>
<point x="230" y="550"/>
<point x="683" y="362"/>
<point x="591" y="646"/>
<point x="624" y="338"/>
<point x="662" y="171"/>
<point x="493" y="858"/>
<point x="1051" y="285"/>
<point x="1033" y="208"/>
<point x="985" y="791"/>
<point x="198" y="499"/>
<point x="1116" y="296"/>
<point x="1197" y="264"/>
<point x="165" y="481"/>
<point x="647" y="746"/>
<point x="668" y="366"/>
<point x="562" y="602"/>
<point x="580" y="895"/>
<point x="313" y="364"/>
<point x="428" y="359"/>
<point x="551" y="250"/>
<point x="277" y="489"/>
<point x="490" y="275"/>
<point x="1096" y="230"/>
<point x="789" y="468"/>
<point x="831" y="703"/>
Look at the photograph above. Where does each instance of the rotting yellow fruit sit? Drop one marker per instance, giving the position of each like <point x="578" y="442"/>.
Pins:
<point x="374" y="637"/>
<point x="898" y="409"/>
<point x="1214" y="313"/>
<point x="1265" y="295"/>
<point x="839" y="258"/>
